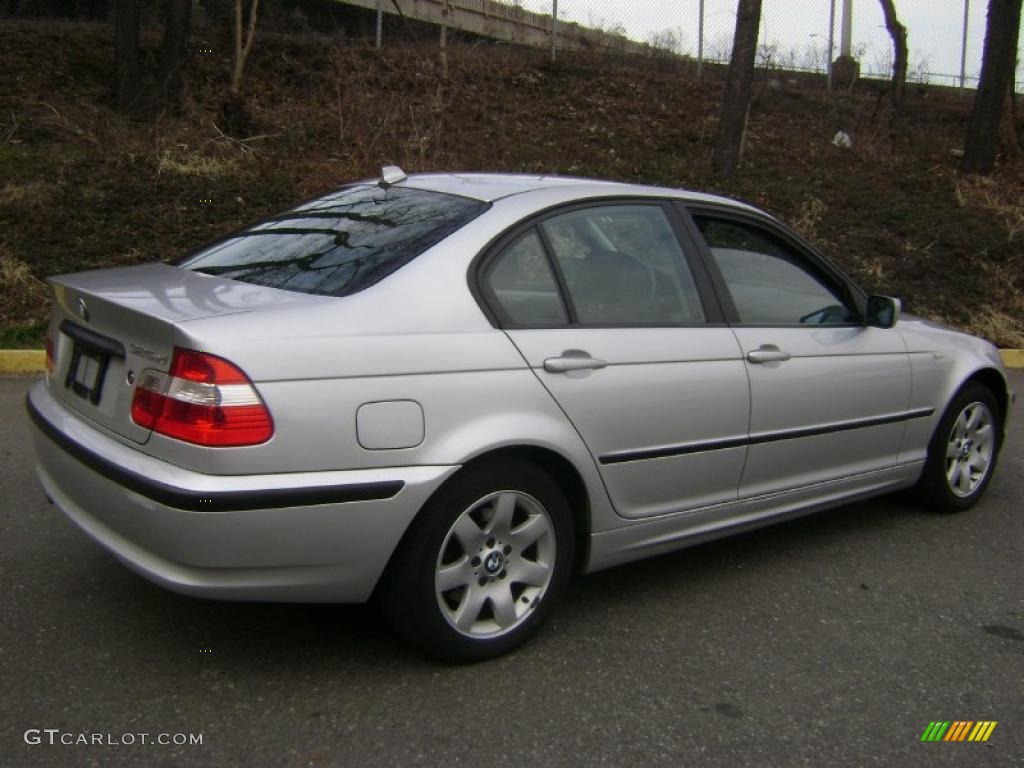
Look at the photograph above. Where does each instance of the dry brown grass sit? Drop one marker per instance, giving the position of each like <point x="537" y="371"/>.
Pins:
<point x="31" y="192"/>
<point x="809" y="216"/>
<point x="183" y="160"/>
<point x="24" y="299"/>
<point x="1001" y="196"/>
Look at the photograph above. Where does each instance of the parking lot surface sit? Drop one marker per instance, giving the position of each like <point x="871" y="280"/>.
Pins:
<point x="833" y="640"/>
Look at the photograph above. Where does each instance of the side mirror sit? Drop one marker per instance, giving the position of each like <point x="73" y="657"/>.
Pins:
<point x="882" y="311"/>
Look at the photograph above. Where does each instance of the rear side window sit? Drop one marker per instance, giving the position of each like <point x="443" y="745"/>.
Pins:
<point x="524" y="285"/>
<point x="623" y="265"/>
<point x="338" y="244"/>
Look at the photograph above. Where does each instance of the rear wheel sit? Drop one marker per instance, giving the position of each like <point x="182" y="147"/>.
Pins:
<point x="483" y="564"/>
<point x="963" y="451"/>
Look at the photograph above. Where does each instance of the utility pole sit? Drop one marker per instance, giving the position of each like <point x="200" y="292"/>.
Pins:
<point x="700" y="40"/>
<point x="846" y="36"/>
<point x="554" y="28"/>
<point x="831" y="39"/>
<point x="963" y="45"/>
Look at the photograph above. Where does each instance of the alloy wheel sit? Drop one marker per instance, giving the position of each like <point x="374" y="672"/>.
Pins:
<point x="495" y="564"/>
<point x="970" y="449"/>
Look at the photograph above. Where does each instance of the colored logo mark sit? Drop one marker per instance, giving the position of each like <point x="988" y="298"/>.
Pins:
<point x="958" y="730"/>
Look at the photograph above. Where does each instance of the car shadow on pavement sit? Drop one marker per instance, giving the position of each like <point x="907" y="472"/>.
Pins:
<point x="297" y="638"/>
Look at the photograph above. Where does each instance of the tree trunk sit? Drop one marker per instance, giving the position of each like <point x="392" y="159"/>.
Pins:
<point x="732" y="122"/>
<point x="177" y="20"/>
<point x="127" y="78"/>
<point x="1016" y="129"/>
<point x="998" y="60"/>
<point x="898" y="33"/>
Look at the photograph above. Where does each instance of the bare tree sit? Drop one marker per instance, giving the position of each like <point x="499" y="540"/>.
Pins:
<point x="243" y="45"/>
<point x="127" y="77"/>
<point x="997" y="64"/>
<point x="667" y="42"/>
<point x="237" y="119"/>
<point x="177" y="20"/>
<point x="732" y="123"/>
<point x="898" y="33"/>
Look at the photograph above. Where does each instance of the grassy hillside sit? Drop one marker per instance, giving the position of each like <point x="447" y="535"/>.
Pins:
<point x="82" y="187"/>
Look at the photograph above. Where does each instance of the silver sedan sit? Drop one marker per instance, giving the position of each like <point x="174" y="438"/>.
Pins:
<point x="448" y="392"/>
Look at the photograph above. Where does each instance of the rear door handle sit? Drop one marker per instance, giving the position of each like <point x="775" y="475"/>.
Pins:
<point x="768" y="353"/>
<point x="573" y="360"/>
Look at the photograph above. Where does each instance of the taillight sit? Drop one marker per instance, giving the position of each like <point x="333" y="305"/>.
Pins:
<point x="204" y="399"/>
<point x="49" y="355"/>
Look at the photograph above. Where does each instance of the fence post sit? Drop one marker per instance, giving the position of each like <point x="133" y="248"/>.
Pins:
<point x="963" y="45"/>
<point x="831" y="40"/>
<point x="554" y="28"/>
<point x="846" y="37"/>
<point x="380" y="23"/>
<point x="700" y="40"/>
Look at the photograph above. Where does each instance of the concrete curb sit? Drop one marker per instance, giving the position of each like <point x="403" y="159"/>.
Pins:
<point x="15" y="361"/>
<point x="23" y="361"/>
<point x="1013" y="358"/>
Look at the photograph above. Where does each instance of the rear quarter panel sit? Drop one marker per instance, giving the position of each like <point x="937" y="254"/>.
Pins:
<point x="474" y="388"/>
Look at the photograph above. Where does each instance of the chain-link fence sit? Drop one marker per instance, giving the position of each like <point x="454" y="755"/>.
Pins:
<point x="945" y="37"/>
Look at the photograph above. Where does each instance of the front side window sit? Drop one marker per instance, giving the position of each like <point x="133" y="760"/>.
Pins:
<point x="622" y="264"/>
<point x="340" y="243"/>
<point x="768" y="281"/>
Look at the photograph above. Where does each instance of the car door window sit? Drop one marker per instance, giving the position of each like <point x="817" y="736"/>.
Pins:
<point x="622" y="264"/>
<point x="769" y="282"/>
<point x="524" y="286"/>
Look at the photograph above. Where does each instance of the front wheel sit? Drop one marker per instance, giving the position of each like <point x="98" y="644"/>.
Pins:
<point x="963" y="451"/>
<point x="483" y="564"/>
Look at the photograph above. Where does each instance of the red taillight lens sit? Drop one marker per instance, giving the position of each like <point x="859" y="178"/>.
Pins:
<point x="148" y="402"/>
<point x="49" y="355"/>
<point x="206" y="369"/>
<point x="204" y="400"/>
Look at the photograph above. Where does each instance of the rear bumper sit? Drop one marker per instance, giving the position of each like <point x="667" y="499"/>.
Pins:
<point x="316" y="537"/>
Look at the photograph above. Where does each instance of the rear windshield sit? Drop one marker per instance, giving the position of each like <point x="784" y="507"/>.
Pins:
<point x="338" y="244"/>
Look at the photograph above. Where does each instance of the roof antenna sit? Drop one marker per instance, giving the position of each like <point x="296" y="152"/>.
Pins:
<point x="391" y="174"/>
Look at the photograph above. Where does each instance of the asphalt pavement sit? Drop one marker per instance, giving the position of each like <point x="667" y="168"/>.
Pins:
<point x="833" y="640"/>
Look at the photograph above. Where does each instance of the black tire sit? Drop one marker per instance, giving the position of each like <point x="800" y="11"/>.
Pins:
<point x="411" y="594"/>
<point x="935" y="489"/>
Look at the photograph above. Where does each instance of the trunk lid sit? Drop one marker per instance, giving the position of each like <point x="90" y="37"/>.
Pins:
<point x="109" y="325"/>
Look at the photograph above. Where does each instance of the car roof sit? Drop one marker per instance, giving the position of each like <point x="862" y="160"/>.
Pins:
<point x="490" y="187"/>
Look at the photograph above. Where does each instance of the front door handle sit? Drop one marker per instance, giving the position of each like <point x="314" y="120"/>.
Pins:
<point x="573" y="360"/>
<point x="767" y="353"/>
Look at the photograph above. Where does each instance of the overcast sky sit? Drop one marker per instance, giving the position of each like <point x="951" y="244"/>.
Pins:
<point x="935" y="28"/>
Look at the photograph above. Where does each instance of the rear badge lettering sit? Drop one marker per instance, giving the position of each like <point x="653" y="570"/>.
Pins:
<point x="148" y="354"/>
